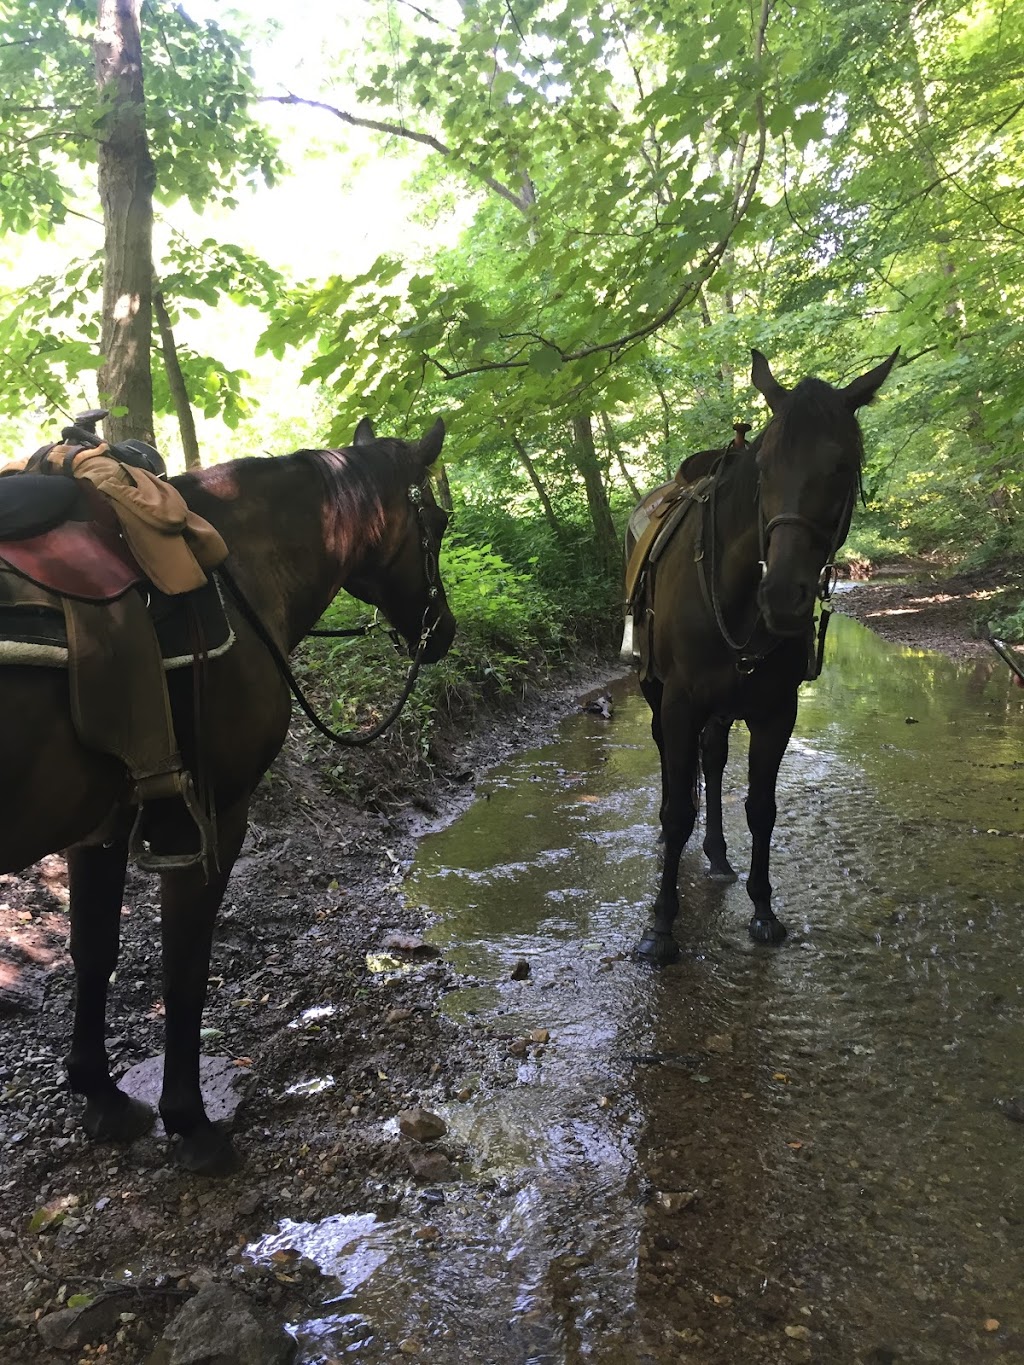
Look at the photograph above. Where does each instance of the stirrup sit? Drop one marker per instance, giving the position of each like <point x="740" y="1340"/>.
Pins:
<point x="180" y="784"/>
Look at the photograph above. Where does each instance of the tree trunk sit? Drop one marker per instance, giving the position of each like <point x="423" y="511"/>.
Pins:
<point x="126" y="194"/>
<point x="176" y="384"/>
<point x="615" y="449"/>
<point x="535" y="479"/>
<point x="609" y="551"/>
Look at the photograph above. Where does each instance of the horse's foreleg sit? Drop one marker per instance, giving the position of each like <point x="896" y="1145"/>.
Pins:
<point x="96" y="886"/>
<point x="768" y="740"/>
<point x="714" y="749"/>
<point x="189" y="905"/>
<point x="680" y="741"/>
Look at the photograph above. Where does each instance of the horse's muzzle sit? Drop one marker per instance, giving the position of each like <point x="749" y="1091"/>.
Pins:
<point x="787" y="607"/>
<point x="440" y="641"/>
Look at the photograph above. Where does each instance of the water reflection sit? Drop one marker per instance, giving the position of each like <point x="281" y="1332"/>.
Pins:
<point x="757" y="1155"/>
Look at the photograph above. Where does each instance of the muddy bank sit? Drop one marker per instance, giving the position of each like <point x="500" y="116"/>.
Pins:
<point x="945" y="613"/>
<point x="323" y="1011"/>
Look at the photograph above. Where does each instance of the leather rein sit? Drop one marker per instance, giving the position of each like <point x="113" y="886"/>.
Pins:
<point x="353" y="738"/>
<point x="746" y="659"/>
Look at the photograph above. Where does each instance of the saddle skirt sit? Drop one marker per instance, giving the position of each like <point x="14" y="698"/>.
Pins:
<point x="60" y="541"/>
<point x="33" y="621"/>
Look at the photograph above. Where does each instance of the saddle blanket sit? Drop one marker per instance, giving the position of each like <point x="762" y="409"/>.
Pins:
<point x="33" y="630"/>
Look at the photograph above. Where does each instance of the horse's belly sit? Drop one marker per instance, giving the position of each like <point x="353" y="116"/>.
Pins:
<point x="54" y="793"/>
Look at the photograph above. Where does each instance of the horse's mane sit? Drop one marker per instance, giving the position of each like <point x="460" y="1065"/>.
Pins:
<point x="358" y="489"/>
<point x="814" y="409"/>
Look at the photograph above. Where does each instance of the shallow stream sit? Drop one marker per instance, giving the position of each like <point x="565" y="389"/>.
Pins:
<point x="809" y="1153"/>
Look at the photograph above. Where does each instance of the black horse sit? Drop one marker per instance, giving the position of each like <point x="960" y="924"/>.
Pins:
<point x="300" y="528"/>
<point x="733" y="596"/>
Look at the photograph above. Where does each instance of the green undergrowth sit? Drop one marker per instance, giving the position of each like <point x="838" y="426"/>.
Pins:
<point x="512" y="637"/>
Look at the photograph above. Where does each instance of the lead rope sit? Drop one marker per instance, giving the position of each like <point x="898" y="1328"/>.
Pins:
<point x="350" y="738"/>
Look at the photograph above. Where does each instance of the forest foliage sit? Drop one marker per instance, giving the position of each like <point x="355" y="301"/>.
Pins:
<point x="609" y="206"/>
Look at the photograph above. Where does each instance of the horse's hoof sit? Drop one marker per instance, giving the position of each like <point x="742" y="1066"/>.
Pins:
<point x="766" y="930"/>
<point x="721" y="872"/>
<point x="207" y="1151"/>
<point x="117" y="1118"/>
<point x="658" y="949"/>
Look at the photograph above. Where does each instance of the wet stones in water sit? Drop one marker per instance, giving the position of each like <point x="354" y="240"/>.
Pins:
<point x="431" y="1167"/>
<point x="1013" y="1109"/>
<point x="421" y="1125"/>
<point x="521" y="970"/>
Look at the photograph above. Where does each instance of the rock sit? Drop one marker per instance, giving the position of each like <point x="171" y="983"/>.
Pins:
<point x="408" y="943"/>
<point x="674" y="1201"/>
<point x="520" y="971"/>
<point x="249" y="1203"/>
<point x="397" y="1016"/>
<point x="431" y="1167"/>
<point x="421" y="1125"/>
<point x="798" y="1333"/>
<point x="70" y="1329"/>
<point x="222" y="1326"/>
<point x="224" y="1084"/>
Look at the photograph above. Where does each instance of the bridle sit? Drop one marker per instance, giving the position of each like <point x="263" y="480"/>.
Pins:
<point x="747" y="658"/>
<point x="355" y="738"/>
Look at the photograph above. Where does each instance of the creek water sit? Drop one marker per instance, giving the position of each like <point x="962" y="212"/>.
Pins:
<point x="811" y="1153"/>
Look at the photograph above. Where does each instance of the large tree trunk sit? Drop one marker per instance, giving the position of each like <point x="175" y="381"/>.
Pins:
<point x="126" y="195"/>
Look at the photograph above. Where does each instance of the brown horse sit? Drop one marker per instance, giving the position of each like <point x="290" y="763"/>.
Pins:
<point x="733" y="598"/>
<point x="299" y="529"/>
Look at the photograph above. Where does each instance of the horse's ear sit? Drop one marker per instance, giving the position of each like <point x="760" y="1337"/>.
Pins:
<point x="429" y="446"/>
<point x="364" y="433"/>
<point x="862" y="390"/>
<point x="765" y="382"/>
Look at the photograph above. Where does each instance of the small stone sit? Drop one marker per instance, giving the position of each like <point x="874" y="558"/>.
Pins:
<point x="421" y="1125"/>
<point x="990" y="1325"/>
<point x="410" y="1347"/>
<point x="520" y="971"/>
<point x="397" y="1016"/>
<point x="798" y="1333"/>
<point x="540" y="1035"/>
<point x="674" y="1201"/>
<point x="430" y="1167"/>
<point x="247" y="1204"/>
<point x="518" y="1047"/>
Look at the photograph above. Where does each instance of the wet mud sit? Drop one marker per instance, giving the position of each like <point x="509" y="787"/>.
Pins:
<point x="752" y="1157"/>
<point x="806" y="1154"/>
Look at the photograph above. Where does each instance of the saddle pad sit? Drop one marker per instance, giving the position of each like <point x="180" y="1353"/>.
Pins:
<point x="33" y="631"/>
<point x="87" y="560"/>
<point x="33" y="503"/>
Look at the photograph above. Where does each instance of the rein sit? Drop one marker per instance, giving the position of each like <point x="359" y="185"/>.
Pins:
<point x="350" y="738"/>
<point x="746" y="660"/>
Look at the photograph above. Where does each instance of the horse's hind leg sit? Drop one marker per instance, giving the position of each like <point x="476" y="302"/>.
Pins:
<point x="188" y="909"/>
<point x="768" y="740"/>
<point x="96" y="885"/>
<point x="653" y="692"/>
<point x="714" y="749"/>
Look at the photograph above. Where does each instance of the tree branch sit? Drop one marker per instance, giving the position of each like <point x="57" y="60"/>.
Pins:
<point x="521" y="202"/>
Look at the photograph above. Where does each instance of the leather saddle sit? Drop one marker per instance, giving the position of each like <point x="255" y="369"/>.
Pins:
<point x="73" y="596"/>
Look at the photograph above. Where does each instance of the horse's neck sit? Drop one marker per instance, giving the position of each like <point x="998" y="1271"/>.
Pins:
<point x="737" y="530"/>
<point x="271" y="514"/>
